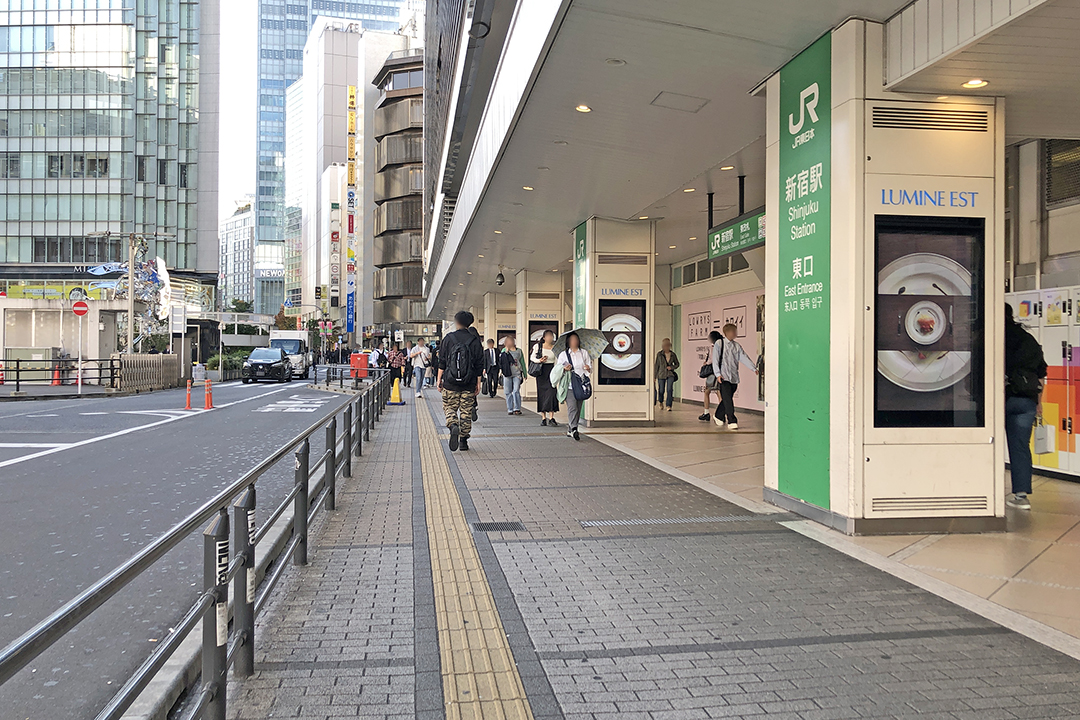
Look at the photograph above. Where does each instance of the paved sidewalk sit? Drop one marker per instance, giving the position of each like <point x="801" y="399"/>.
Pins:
<point x="624" y="593"/>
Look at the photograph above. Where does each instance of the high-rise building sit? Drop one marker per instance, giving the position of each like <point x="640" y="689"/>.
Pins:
<point x="283" y="30"/>
<point x="237" y="244"/>
<point x="109" y="125"/>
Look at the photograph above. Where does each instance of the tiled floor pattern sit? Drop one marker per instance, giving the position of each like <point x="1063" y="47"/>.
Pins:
<point x="1033" y="569"/>
<point x="480" y="679"/>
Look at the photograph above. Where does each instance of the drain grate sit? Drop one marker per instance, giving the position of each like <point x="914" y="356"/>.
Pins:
<point x="667" y="521"/>
<point x="504" y="526"/>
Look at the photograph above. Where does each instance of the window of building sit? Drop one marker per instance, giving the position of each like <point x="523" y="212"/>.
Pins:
<point x="163" y="172"/>
<point x="183" y="178"/>
<point x="1062" y="171"/>
<point x="97" y="166"/>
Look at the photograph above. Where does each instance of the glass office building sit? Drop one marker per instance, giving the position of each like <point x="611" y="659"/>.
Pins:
<point x="99" y="113"/>
<point x="283" y="30"/>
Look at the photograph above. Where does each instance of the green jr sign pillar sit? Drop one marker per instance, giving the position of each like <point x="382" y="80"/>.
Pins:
<point x="803" y="220"/>
<point x="581" y="260"/>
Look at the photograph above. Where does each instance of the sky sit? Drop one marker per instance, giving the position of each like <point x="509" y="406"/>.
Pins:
<point x="236" y="171"/>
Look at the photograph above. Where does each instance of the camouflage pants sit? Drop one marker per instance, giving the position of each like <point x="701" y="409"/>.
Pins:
<point x="458" y="407"/>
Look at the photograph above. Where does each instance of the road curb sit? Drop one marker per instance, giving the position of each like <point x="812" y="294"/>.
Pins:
<point x="72" y="396"/>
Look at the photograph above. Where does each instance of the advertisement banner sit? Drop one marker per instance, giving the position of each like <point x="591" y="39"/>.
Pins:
<point x="350" y="311"/>
<point x="802" y="365"/>
<point x="746" y="312"/>
<point x="580" y="268"/>
<point x="623" y="324"/>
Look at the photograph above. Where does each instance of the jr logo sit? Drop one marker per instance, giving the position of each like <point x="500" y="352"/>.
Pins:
<point x="808" y="100"/>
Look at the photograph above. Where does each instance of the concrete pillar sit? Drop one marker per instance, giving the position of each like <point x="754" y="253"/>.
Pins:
<point x="614" y="272"/>
<point x="884" y="286"/>
<point x="539" y="308"/>
<point x="500" y="314"/>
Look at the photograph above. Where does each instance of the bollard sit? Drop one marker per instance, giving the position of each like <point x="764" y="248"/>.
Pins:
<point x="244" y="582"/>
<point x="347" y="446"/>
<point x="300" y="504"/>
<point x="215" y="644"/>
<point x="208" y="395"/>
<point x="187" y="406"/>
<point x="330" y="478"/>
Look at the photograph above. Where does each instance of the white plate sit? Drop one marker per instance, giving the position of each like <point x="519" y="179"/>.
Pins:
<point x="621" y="323"/>
<point x="926" y="322"/>
<point x="924" y="274"/>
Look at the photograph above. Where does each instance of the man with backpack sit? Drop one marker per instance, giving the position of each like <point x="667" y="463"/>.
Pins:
<point x="461" y="367"/>
<point x="1025" y="374"/>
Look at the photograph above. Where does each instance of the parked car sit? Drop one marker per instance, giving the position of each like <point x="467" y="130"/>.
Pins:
<point x="267" y="364"/>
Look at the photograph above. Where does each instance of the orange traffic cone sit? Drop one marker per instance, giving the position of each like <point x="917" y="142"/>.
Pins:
<point x="56" y="375"/>
<point x="208" y="401"/>
<point x="187" y="406"/>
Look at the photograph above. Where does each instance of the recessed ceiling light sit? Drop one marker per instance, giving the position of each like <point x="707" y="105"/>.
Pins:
<point x="543" y="167"/>
<point x="526" y="187"/>
<point x="455" y="294"/>
<point x="942" y="97"/>
<point x="516" y="204"/>
<point x="670" y="247"/>
<point x="498" y="232"/>
<point x="479" y="256"/>
<point x="524" y="250"/>
<point x="561" y="142"/>
<point x="974" y="83"/>
<point x="468" y="272"/>
<point x="728" y="167"/>
<point x="689" y="189"/>
<point x="461" y="284"/>
<point x="657" y="254"/>
<point x="643" y="217"/>
<point x="506" y="221"/>
<point x="583" y="108"/>
<point x="694" y="238"/>
<point x="615" y="62"/>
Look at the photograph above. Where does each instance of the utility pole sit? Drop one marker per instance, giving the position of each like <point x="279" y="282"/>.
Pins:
<point x="131" y="294"/>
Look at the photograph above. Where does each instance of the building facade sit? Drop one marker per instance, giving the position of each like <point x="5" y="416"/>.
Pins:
<point x="102" y="134"/>
<point x="398" y="287"/>
<point x="236" y="278"/>
<point x="284" y="27"/>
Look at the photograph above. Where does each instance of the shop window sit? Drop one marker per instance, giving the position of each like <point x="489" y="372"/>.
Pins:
<point x="1062" y="171"/>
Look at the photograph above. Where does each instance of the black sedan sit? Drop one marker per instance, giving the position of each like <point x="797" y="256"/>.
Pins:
<point x="267" y="364"/>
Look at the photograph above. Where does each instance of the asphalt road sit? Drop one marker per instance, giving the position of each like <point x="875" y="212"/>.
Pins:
<point x="85" y="483"/>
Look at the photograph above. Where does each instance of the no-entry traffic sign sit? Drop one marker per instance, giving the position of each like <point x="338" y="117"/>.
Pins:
<point x="80" y="308"/>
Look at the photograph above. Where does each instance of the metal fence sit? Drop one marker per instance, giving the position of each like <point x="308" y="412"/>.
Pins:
<point x="146" y="371"/>
<point x="64" y="371"/>
<point x="228" y="557"/>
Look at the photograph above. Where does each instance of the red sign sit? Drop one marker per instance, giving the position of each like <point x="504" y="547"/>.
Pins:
<point x="351" y="222"/>
<point x="80" y="308"/>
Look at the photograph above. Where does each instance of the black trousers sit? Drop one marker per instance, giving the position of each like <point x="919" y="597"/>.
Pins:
<point x="491" y="381"/>
<point x="726" y="409"/>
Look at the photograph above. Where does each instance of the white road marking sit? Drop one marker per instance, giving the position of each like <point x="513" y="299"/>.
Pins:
<point x="119" y="433"/>
<point x="296" y="404"/>
<point x="45" y="415"/>
<point x="94" y="413"/>
<point x="34" y="445"/>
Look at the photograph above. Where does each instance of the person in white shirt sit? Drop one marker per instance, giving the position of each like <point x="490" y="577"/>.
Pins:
<point x="420" y="354"/>
<point x="574" y="360"/>
<point x="727" y="354"/>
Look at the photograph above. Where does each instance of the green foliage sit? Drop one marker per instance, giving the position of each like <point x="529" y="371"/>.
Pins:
<point x="233" y="360"/>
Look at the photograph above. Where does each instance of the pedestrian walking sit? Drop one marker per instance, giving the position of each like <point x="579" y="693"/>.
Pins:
<point x="476" y="406"/>
<point x="712" y="385"/>
<point x="396" y="360"/>
<point x="421" y="359"/>
<point x="407" y="369"/>
<point x="491" y="369"/>
<point x="1025" y="372"/>
<point x="576" y="367"/>
<point x="511" y="365"/>
<point x="667" y="362"/>
<point x="726" y="358"/>
<point x="461" y="365"/>
<point x="547" y="400"/>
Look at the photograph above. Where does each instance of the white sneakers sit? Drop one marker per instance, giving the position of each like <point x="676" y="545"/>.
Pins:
<point x="733" y="426"/>
<point x="720" y="424"/>
<point x="1019" y="501"/>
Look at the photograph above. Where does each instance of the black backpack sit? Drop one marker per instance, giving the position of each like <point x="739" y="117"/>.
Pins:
<point x="458" y="367"/>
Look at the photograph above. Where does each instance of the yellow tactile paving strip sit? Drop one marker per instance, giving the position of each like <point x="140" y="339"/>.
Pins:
<point x="480" y="679"/>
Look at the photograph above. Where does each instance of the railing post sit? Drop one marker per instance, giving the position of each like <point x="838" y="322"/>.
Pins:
<point x="367" y="413"/>
<point x="17" y="375"/>
<point x="347" y="445"/>
<point x="215" y="644"/>
<point x="244" y="582"/>
<point x="330" y="479"/>
<point x="357" y="431"/>
<point x="300" y="504"/>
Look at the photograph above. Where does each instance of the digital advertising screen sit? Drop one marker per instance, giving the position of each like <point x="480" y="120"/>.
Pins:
<point x="929" y="334"/>
<point x="537" y="328"/>
<point x="623" y="324"/>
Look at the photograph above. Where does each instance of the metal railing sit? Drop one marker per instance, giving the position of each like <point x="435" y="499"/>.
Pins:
<point x="104" y="372"/>
<point x="223" y="563"/>
<point x="342" y="376"/>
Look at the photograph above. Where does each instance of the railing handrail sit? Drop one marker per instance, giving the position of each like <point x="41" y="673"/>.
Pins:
<point x="24" y="649"/>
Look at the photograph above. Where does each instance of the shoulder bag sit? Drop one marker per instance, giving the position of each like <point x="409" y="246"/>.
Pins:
<point x="536" y="369"/>
<point x="581" y="386"/>
<point x="706" y="369"/>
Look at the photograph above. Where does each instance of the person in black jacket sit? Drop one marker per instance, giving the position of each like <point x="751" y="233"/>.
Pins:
<point x="461" y="367"/>
<point x="1025" y="370"/>
<point x="491" y="368"/>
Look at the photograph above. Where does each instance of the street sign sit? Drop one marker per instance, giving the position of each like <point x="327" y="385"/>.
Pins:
<point x="288" y="303"/>
<point x="80" y="308"/>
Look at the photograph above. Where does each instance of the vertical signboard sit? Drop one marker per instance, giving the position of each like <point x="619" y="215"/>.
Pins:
<point x="580" y="268"/>
<point x="350" y="210"/>
<point x="802" y="365"/>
